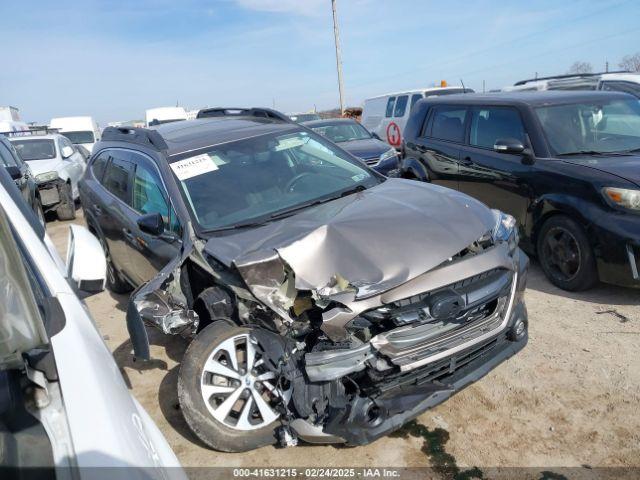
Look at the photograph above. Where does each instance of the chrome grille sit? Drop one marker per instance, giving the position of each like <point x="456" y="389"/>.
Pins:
<point x="488" y="298"/>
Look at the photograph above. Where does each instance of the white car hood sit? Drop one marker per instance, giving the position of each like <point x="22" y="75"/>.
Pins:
<point x="42" y="166"/>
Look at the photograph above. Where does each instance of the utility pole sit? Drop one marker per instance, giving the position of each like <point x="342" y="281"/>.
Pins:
<point x="336" y="36"/>
<point x="606" y="66"/>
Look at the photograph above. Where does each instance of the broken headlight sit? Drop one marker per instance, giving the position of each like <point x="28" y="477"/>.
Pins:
<point x="505" y="230"/>
<point x="391" y="153"/>
<point x="46" y="177"/>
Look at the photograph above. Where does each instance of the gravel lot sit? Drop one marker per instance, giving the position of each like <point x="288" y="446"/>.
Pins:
<point x="570" y="399"/>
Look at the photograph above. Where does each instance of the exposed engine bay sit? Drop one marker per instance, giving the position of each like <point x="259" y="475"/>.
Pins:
<point x="356" y="330"/>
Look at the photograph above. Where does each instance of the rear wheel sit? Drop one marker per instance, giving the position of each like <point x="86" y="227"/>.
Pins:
<point x="565" y="254"/>
<point x="67" y="208"/>
<point x="228" y="396"/>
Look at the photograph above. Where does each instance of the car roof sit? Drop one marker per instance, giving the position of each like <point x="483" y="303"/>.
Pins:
<point x="327" y="121"/>
<point x="416" y="90"/>
<point x="49" y="136"/>
<point x="189" y="135"/>
<point x="532" y="98"/>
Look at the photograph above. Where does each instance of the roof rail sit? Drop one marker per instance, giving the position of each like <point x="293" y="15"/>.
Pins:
<point x="141" y="136"/>
<point x="242" y="112"/>
<point x="568" y="75"/>
<point x="33" y="130"/>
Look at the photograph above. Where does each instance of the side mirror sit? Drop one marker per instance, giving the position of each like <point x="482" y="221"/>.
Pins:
<point x="86" y="263"/>
<point x="375" y="135"/>
<point x="509" y="145"/>
<point x="152" y="223"/>
<point x="14" y="172"/>
<point x="67" y="151"/>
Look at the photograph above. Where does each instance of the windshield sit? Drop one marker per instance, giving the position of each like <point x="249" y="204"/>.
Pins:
<point x="80" y="137"/>
<point x="604" y="126"/>
<point x="251" y="180"/>
<point x="343" y="132"/>
<point x="42" y="149"/>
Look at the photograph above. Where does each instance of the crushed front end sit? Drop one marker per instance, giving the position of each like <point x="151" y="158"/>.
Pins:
<point x="415" y="351"/>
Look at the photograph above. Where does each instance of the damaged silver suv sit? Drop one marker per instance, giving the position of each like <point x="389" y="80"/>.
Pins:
<point x="324" y="301"/>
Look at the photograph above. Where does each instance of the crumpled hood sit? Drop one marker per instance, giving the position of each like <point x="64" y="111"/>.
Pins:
<point x="627" y="167"/>
<point x="365" y="148"/>
<point x="42" y="166"/>
<point x="376" y="239"/>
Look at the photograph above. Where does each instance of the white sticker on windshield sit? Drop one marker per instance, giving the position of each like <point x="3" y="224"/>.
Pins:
<point x="193" y="166"/>
<point x="359" y="177"/>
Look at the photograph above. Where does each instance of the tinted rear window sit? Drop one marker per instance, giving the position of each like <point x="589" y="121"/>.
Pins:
<point x="390" y="103"/>
<point x="99" y="164"/>
<point x="117" y="178"/>
<point x="448" y="123"/>
<point x="401" y="106"/>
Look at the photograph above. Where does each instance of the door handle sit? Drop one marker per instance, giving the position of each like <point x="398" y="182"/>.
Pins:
<point x="466" y="161"/>
<point x="97" y="208"/>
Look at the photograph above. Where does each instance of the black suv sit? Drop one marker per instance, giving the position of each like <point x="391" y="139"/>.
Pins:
<point x="566" y="165"/>
<point x="323" y="300"/>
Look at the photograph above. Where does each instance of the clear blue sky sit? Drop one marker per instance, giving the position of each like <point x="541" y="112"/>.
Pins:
<point x="114" y="59"/>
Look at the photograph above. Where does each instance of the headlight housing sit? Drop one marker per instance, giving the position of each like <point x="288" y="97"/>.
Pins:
<point x="46" y="177"/>
<point x="388" y="154"/>
<point x="622" y="197"/>
<point x="505" y="230"/>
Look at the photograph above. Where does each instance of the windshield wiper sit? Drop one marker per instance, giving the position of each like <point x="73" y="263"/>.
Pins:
<point x="594" y="152"/>
<point x="581" y="152"/>
<point x="350" y="191"/>
<point x="290" y="211"/>
<point x="237" y="226"/>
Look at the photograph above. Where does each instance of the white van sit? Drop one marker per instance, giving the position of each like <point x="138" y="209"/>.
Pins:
<point x="156" y="116"/>
<point x="386" y="115"/>
<point x="80" y="130"/>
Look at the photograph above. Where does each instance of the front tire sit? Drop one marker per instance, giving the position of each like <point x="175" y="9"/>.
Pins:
<point x="228" y="397"/>
<point x="565" y="254"/>
<point x="67" y="208"/>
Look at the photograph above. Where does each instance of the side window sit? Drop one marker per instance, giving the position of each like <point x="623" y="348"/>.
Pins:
<point x="149" y="194"/>
<point x="494" y="123"/>
<point x="99" y="165"/>
<point x="401" y="106"/>
<point x="390" y="103"/>
<point x="448" y="123"/>
<point x="414" y="99"/>
<point x="6" y="157"/>
<point x="117" y="177"/>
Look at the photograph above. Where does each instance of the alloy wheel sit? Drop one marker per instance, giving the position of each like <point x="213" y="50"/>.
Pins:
<point x="237" y="388"/>
<point x="562" y="254"/>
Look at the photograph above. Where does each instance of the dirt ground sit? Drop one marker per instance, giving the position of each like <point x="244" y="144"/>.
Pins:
<point x="571" y="398"/>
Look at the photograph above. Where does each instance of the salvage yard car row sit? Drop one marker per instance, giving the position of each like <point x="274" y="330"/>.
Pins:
<point x="324" y="298"/>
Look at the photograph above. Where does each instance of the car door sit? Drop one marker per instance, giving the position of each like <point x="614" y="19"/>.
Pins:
<point x="148" y="253"/>
<point x="440" y="142"/>
<point x="110" y="205"/>
<point x="500" y="180"/>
